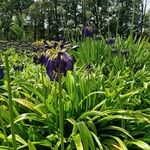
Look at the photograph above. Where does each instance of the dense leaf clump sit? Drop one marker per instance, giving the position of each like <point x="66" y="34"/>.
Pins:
<point x="105" y="92"/>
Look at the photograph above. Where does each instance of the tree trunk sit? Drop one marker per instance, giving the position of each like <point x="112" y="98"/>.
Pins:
<point x="75" y="19"/>
<point x="35" y="29"/>
<point x="56" y="16"/>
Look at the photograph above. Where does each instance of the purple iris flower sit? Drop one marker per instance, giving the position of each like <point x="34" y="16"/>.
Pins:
<point x="86" y="32"/>
<point x="50" y="66"/>
<point x="1" y="73"/>
<point x="59" y="64"/>
<point x="110" y="41"/>
<point x="46" y="60"/>
<point x="42" y="60"/>
<point x="69" y="62"/>
<point x="1" y="70"/>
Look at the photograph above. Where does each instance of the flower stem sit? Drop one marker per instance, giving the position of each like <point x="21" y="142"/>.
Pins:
<point x="45" y="103"/>
<point x="61" y="112"/>
<point x="10" y="103"/>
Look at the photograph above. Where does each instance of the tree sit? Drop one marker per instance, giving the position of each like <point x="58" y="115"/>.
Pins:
<point x="45" y="18"/>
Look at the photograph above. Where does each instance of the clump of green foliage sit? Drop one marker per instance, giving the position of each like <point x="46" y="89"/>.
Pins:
<point x="106" y="100"/>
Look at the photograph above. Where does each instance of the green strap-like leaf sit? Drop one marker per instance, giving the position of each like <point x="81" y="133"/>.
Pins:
<point x="86" y="136"/>
<point x="5" y="148"/>
<point x="141" y="144"/>
<point x="78" y="142"/>
<point x="117" y="129"/>
<point x="28" y="104"/>
<point x="31" y="146"/>
<point x="97" y="141"/>
<point x="121" y="143"/>
<point x="30" y="116"/>
<point x="33" y="90"/>
<point x="18" y="139"/>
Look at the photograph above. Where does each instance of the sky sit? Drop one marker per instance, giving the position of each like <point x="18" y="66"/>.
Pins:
<point x="148" y="5"/>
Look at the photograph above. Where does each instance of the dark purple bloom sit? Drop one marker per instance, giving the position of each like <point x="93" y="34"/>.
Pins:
<point x="46" y="60"/>
<point x="1" y="73"/>
<point x="69" y="61"/>
<point x="53" y="67"/>
<point x="42" y="60"/>
<point x="87" y="32"/>
<point x="110" y="41"/>
<point x="50" y="70"/>
<point x="60" y="64"/>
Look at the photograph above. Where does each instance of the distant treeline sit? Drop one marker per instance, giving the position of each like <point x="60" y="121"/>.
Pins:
<point x="42" y="19"/>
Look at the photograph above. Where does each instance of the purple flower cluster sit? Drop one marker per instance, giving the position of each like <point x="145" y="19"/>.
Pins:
<point x="40" y="59"/>
<point x="59" y="65"/>
<point x="56" y="58"/>
<point x="87" y="31"/>
<point x="1" y="73"/>
<point x="1" y="70"/>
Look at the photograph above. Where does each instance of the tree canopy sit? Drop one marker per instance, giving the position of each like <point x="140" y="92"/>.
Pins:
<point x="31" y="20"/>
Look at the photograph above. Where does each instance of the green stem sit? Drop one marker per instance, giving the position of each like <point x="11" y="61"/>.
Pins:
<point x="61" y="112"/>
<point x="56" y="104"/>
<point x="10" y="103"/>
<point x="44" y="89"/>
